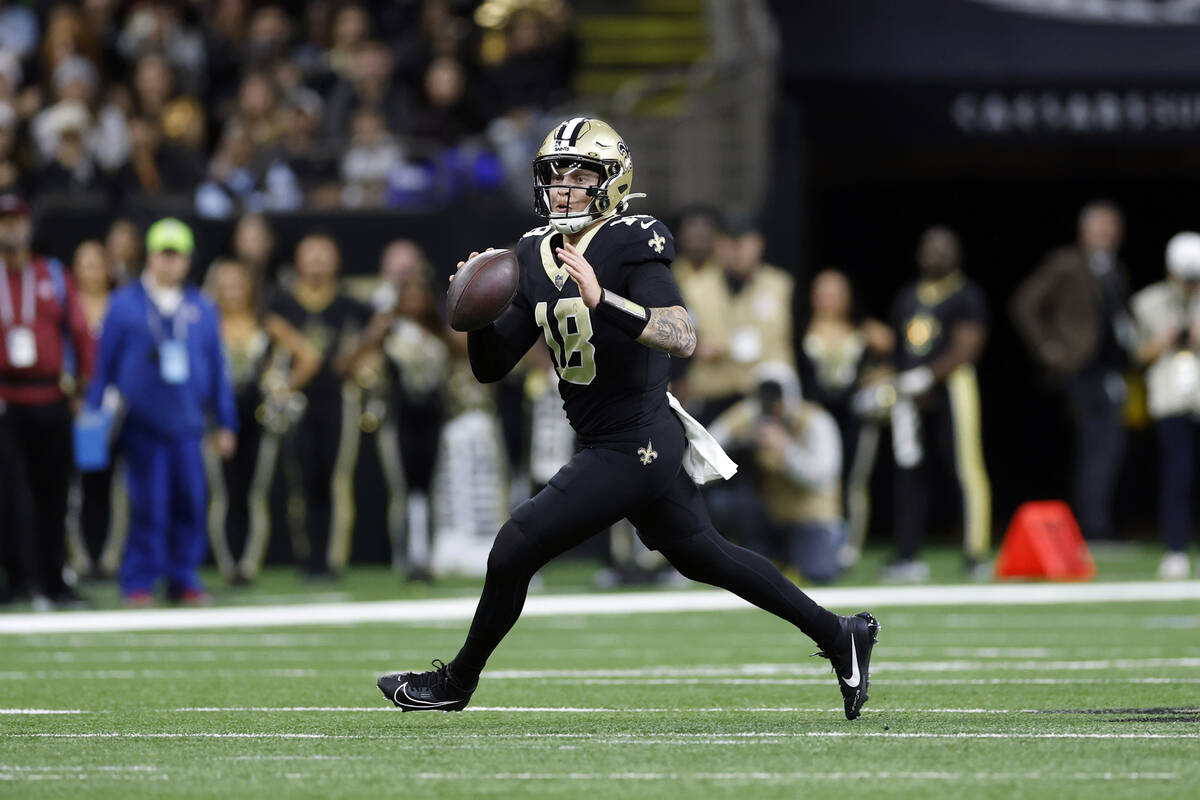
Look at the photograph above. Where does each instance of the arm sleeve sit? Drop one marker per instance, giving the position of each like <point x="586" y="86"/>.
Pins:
<point x="85" y="345"/>
<point x="652" y="285"/>
<point x="815" y="459"/>
<point x="496" y="349"/>
<point x="1027" y="305"/>
<point x="224" y="406"/>
<point x="111" y="334"/>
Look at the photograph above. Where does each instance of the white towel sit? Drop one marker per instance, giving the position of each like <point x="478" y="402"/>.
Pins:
<point x="704" y="460"/>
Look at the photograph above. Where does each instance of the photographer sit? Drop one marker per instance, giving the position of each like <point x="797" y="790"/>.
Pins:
<point x="1167" y="317"/>
<point x="792" y="453"/>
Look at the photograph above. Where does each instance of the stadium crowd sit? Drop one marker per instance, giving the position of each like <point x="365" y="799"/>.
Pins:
<point x="276" y="106"/>
<point x="247" y="108"/>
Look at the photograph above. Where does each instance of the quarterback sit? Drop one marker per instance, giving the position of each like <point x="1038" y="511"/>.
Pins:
<point x="596" y="286"/>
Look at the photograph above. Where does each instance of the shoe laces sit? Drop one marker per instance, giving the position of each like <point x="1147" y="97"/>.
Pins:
<point x="436" y="678"/>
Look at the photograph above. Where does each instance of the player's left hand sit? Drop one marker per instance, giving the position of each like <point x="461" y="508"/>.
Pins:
<point x="582" y="273"/>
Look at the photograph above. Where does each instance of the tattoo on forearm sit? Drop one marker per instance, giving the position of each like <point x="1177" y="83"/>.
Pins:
<point x="670" y="330"/>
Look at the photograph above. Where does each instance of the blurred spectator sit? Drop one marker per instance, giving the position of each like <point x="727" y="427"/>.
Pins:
<point x="161" y="349"/>
<point x="72" y="168"/>
<point x="258" y="111"/>
<point x="311" y="53"/>
<point x="104" y="131"/>
<point x="351" y="26"/>
<point x="67" y="36"/>
<point x="10" y="172"/>
<point x="401" y="260"/>
<point x="314" y="164"/>
<point x="1072" y="314"/>
<point x="698" y="230"/>
<point x="18" y="29"/>
<point x="124" y="245"/>
<point x="156" y="26"/>
<point x="793" y="453"/>
<point x="225" y="30"/>
<point x="270" y="362"/>
<point x="440" y="30"/>
<point x="93" y="274"/>
<point x="238" y="181"/>
<point x="743" y="315"/>
<point x="326" y="437"/>
<point x="1167" y="317"/>
<point x="269" y="36"/>
<point x="40" y="320"/>
<point x="100" y="17"/>
<point x="448" y="114"/>
<point x="371" y="157"/>
<point x="370" y="82"/>
<point x="837" y="354"/>
<point x="535" y="64"/>
<point x="153" y="85"/>
<point x="11" y="76"/>
<point x="154" y="167"/>
<point x="941" y="326"/>
<point x="254" y="246"/>
<point x="413" y="338"/>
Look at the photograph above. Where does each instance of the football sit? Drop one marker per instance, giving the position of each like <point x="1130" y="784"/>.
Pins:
<point x="481" y="290"/>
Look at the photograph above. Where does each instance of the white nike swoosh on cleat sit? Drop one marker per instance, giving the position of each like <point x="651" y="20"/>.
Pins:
<point x="853" y="680"/>
<point x="400" y="690"/>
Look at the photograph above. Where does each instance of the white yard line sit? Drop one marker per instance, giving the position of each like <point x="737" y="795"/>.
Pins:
<point x="164" y="674"/>
<point x="577" y="710"/>
<point x="462" y="608"/>
<point x="735" y="737"/>
<point x="73" y="773"/>
<point x="795" y="776"/>
<point x="732" y="673"/>
<point x="552" y="710"/>
<point x="1027" y="681"/>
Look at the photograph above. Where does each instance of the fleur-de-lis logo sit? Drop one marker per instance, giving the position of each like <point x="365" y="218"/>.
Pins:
<point x="647" y="453"/>
<point x="656" y="244"/>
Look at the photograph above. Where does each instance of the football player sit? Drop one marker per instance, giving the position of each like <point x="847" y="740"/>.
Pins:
<point x="596" y="286"/>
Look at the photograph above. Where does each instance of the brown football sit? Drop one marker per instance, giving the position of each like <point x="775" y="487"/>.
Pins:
<point x="481" y="290"/>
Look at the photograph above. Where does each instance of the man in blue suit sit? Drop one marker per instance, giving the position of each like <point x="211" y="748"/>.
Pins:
<point x="161" y="348"/>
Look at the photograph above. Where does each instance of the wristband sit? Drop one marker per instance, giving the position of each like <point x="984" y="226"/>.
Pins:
<point x="626" y="315"/>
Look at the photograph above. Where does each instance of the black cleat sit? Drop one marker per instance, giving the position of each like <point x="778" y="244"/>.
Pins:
<point x="850" y="655"/>
<point x="435" y="690"/>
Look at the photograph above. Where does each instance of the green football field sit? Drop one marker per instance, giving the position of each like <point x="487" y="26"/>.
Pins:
<point x="1096" y="699"/>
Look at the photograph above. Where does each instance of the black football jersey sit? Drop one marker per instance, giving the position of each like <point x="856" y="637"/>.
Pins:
<point x="610" y="384"/>
<point x="924" y="313"/>
<point x="325" y="329"/>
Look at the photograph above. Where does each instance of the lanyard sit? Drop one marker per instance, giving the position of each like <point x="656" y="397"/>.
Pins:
<point x="27" y="298"/>
<point x="155" y="319"/>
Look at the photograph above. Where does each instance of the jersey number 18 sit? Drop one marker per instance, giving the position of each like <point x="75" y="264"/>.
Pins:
<point x="570" y="340"/>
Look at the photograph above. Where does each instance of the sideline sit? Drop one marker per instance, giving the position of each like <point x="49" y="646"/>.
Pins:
<point x="463" y="608"/>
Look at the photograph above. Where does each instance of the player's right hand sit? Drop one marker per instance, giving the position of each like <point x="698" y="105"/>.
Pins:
<point x="460" y="264"/>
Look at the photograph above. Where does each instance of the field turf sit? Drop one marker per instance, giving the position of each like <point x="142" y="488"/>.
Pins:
<point x="1098" y="700"/>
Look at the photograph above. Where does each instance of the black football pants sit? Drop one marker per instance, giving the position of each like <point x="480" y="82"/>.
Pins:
<point x="641" y="479"/>
<point x="35" y="470"/>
